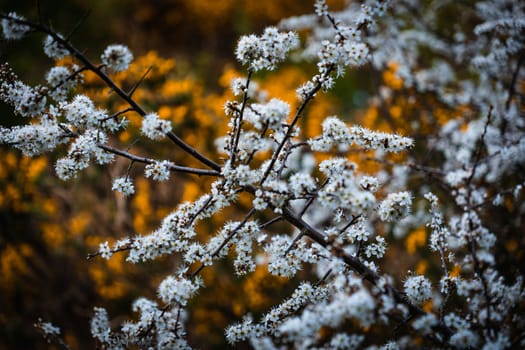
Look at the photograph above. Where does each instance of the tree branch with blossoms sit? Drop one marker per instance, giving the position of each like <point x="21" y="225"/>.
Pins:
<point x="335" y="217"/>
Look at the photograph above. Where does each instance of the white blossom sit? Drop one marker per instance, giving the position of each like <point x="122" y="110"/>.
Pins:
<point x="159" y="171"/>
<point x="418" y="289"/>
<point x="395" y="206"/>
<point x="54" y="49"/>
<point x="177" y="290"/>
<point x="155" y="128"/>
<point x="13" y="30"/>
<point x="100" y="325"/>
<point x="117" y="57"/>
<point x="123" y="185"/>
<point x="266" y="51"/>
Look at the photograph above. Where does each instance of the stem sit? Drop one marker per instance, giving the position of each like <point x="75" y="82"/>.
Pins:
<point x="145" y="160"/>
<point x="226" y="240"/>
<point x="238" y="125"/>
<point x="289" y="132"/>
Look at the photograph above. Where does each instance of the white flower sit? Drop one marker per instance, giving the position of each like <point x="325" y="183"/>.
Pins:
<point x="259" y="203"/>
<point x="100" y="325"/>
<point x="418" y="289"/>
<point x="81" y="112"/>
<point x="60" y="81"/>
<point x="395" y="206"/>
<point x="123" y="185"/>
<point x="321" y="8"/>
<point x="425" y="323"/>
<point x="153" y="127"/>
<point x="47" y="328"/>
<point x="54" y="49"/>
<point x="369" y="183"/>
<point x="177" y="290"/>
<point x="337" y="133"/>
<point x="27" y="101"/>
<point x="13" y="30"/>
<point x="117" y="57"/>
<point x="456" y="178"/>
<point x="158" y="171"/>
<point x="464" y="339"/>
<point x="265" y="51"/>
<point x="238" y="86"/>
<point x="66" y="168"/>
<point x="301" y="184"/>
<point x="105" y="250"/>
<point x="305" y="90"/>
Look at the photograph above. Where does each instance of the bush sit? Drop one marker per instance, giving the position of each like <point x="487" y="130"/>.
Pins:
<point x="385" y="240"/>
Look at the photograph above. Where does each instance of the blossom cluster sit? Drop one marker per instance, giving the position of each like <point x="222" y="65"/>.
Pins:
<point x="267" y="50"/>
<point x="177" y="290"/>
<point x="337" y="133"/>
<point x="153" y="127"/>
<point x="338" y="217"/>
<point x="273" y="320"/>
<point x="13" y="30"/>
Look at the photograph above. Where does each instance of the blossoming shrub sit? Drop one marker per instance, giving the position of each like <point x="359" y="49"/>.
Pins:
<point x="306" y="208"/>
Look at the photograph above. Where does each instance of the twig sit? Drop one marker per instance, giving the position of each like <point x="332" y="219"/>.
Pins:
<point x="239" y="120"/>
<point x="271" y="221"/>
<point x="295" y="240"/>
<point x="477" y="155"/>
<point x="289" y="132"/>
<point x="512" y="86"/>
<point x="145" y="160"/>
<point x="226" y="240"/>
<point x="78" y="24"/>
<point x="134" y="88"/>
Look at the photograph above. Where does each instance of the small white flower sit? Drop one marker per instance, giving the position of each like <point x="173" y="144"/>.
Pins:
<point x="395" y="206"/>
<point x="265" y="51"/>
<point x="123" y="185"/>
<point x="13" y="30"/>
<point x="155" y="128"/>
<point x="59" y="80"/>
<point x="464" y="339"/>
<point x="158" y="171"/>
<point x="177" y="290"/>
<point x="100" y="325"/>
<point x="117" y="57"/>
<point x="321" y="8"/>
<point x="105" y="250"/>
<point x="418" y="289"/>
<point x="54" y="49"/>
<point x="66" y="168"/>
<point x="47" y="328"/>
<point x="238" y="86"/>
<point x="369" y="183"/>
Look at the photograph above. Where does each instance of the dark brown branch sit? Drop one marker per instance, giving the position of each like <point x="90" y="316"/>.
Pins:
<point x="269" y="222"/>
<point x="145" y="160"/>
<point x="193" y="152"/>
